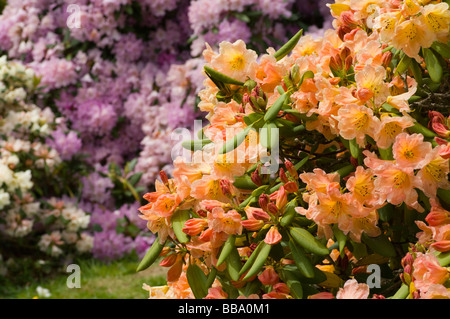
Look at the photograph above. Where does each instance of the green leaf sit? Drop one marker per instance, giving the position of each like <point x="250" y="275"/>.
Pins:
<point x="237" y="140"/>
<point x="354" y="148"/>
<point x="433" y="66"/>
<point x="226" y="249"/>
<point x="306" y="240"/>
<point x="272" y="111"/>
<point x="302" y="262"/>
<point x="218" y="76"/>
<point x="340" y="237"/>
<point x="244" y="182"/>
<point x="269" y="135"/>
<point x="441" y="48"/>
<point x="416" y="71"/>
<point x="380" y="245"/>
<point x="259" y="260"/>
<point x="135" y="178"/>
<point x="195" y="145"/>
<point x="234" y="264"/>
<point x="251" y="259"/>
<point x="179" y="217"/>
<point x="289" y="46"/>
<point x="151" y="255"/>
<point x="294" y="285"/>
<point x="197" y="281"/>
<point x="402" y="293"/>
<point x="289" y="213"/>
<point x="403" y="65"/>
<point x="344" y="171"/>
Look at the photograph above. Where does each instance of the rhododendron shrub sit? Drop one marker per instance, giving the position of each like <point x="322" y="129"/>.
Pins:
<point x="38" y="219"/>
<point x="126" y="78"/>
<point x="321" y="160"/>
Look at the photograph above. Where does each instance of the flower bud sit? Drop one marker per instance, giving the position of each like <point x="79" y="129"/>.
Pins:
<point x="263" y="201"/>
<point x="342" y="31"/>
<point x="386" y="58"/>
<point x="168" y="261"/>
<point x="273" y="236"/>
<point x="441" y="130"/>
<point x="281" y="288"/>
<point x="283" y="176"/>
<point x="335" y="80"/>
<point x="269" y="276"/>
<point x="261" y="103"/>
<point x="250" y="84"/>
<point x="256" y="178"/>
<point x="437" y="217"/>
<point x="348" y="19"/>
<point x="407" y="260"/>
<point x="259" y="214"/>
<point x="164" y="178"/>
<point x="442" y="245"/>
<point x="291" y="169"/>
<point x="194" y="226"/>
<point x="295" y="74"/>
<point x="291" y="187"/>
<point x="252" y="224"/>
<point x="281" y="199"/>
<point x="364" y="94"/>
<point x="272" y="208"/>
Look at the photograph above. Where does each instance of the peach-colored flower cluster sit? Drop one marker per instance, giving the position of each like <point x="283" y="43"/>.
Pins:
<point x="357" y="164"/>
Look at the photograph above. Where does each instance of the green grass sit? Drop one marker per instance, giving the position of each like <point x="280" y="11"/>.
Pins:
<point x="116" y="280"/>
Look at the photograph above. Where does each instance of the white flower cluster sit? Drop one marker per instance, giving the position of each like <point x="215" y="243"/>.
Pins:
<point x="68" y="227"/>
<point x="15" y="80"/>
<point x="23" y="151"/>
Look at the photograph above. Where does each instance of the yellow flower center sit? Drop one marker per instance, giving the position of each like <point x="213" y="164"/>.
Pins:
<point x="399" y="179"/>
<point x="435" y="171"/>
<point x="362" y="190"/>
<point x="408" y="154"/>
<point x="237" y="61"/>
<point x="392" y="129"/>
<point x="436" y="22"/>
<point x="361" y="121"/>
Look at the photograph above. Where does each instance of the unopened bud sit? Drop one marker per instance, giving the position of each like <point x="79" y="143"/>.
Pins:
<point x="437" y="217"/>
<point x="348" y="19"/>
<point x="252" y="224"/>
<point x="281" y="199"/>
<point x="364" y="94"/>
<point x="441" y="130"/>
<point x="283" y="176"/>
<point x="168" y="261"/>
<point x="407" y="260"/>
<point x="442" y="245"/>
<point x="256" y="178"/>
<point x="348" y="63"/>
<point x="386" y="58"/>
<point x="295" y="74"/>
<point x="291" y="169"/>
<point x="272" y="208"/>
<point x="164" y="178"/>
<point x="261" y="103"/>
<point x="260" y="214"/>
<point x="269" y="276"/>
<point x="263" y="201"/>
<point x="250" y="84"/>
<point x="291" y="187"/>
<point x="342" y="31"/>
